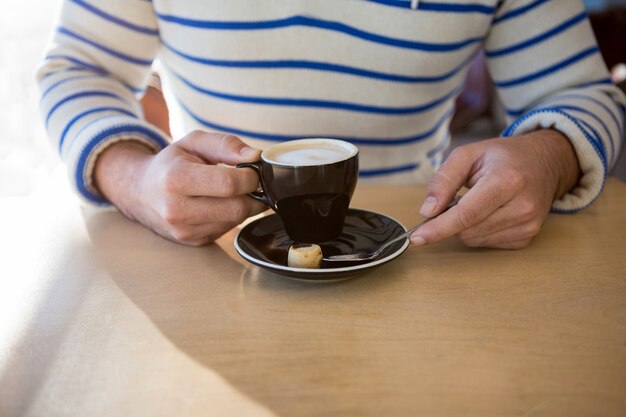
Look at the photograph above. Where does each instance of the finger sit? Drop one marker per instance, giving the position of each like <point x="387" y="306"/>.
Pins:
<point x="217" y="148"/>
<point x="202" y="180"/>
<point x="487" y="195"/>
<point x="201" y="210"/>
<point x="506" y="238"/>
<point x="447" y="181"/>
<point x="504" y="218"/>
<point x="515" y="212"/>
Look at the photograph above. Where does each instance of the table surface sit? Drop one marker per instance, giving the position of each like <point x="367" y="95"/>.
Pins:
<point x="100" y="317"/>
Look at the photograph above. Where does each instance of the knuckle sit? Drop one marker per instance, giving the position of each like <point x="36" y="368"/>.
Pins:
<point x="467" y="217"/>
<point x="533" y="228"/>
<point x="172" y="213"/>
<point x="232" y="214"/>
<point x="195" y="133"/>
<point x="230" y="142"/>
<point x="172" y="181"/>
<point x="189" y="137"/>
<point x="240" y="210"/>
<point x="527" y="209"/>
<point x="227" y="183"/>
<point x="438" y="184"/>
<point x="231" y="139"/>
<point x="514" y="181"/>
<point x="196" y="138"/>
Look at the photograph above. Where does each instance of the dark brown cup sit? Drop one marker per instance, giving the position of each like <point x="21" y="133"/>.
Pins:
<point x="310" y="197"/>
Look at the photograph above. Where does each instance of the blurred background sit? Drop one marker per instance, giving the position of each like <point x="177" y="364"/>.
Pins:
<point x="26" y="157"/>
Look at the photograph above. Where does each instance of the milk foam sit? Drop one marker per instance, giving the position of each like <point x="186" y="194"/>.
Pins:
<point x="308" y="152"/>
<point x="311" y="156"/>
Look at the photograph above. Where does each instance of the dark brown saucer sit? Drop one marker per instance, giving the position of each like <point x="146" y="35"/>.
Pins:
<point x="264" y="243"/>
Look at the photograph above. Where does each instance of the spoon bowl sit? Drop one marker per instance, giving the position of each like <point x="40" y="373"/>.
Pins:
<point x="361" y="257"/>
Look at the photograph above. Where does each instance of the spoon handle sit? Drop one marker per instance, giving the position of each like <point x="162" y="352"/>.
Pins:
<point x="406" y="234"/>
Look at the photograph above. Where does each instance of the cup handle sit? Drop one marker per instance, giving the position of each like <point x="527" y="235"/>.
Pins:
<point x="258" y="195"/>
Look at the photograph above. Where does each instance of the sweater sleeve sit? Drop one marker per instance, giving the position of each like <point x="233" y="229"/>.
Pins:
<point x="90" y="80"/>
<point x="549" y="74"/>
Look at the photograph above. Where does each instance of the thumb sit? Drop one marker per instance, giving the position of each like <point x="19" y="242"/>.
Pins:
<point x="447" y="181"/>
<point x="219" y="148"/>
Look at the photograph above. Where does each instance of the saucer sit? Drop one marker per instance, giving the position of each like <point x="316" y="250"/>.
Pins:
<point x="264" y="243"/>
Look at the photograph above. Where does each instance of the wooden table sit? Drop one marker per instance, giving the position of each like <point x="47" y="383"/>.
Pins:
<point x="99" y="317"/>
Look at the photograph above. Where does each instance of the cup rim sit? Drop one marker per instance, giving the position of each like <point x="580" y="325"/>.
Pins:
<point x="354" y="151"/>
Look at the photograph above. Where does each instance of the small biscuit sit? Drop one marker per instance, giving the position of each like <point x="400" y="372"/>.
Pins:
<point x="305" y="255"/>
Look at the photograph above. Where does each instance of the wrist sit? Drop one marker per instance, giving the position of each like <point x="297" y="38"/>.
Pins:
<point x="118" y="170"/>
<point x="560" y="159"/>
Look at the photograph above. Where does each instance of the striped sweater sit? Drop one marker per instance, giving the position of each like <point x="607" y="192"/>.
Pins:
<point x="382" y="74"/>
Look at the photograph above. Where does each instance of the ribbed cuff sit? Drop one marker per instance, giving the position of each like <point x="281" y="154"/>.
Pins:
<point x="587" y="145"/>
<point x="92" y="141"/>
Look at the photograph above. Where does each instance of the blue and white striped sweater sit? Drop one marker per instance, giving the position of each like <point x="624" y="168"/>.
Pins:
<point x="377" y="73"/>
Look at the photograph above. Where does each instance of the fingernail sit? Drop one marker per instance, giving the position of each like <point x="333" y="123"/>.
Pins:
<point x="248" y="151"/>
<point x="417" y="241"/>
<point x="429" y="206"/>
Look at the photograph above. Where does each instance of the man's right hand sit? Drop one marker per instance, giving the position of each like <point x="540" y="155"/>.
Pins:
<point x="181" y="193"/>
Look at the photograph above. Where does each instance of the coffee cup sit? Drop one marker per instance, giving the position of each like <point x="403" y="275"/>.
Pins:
<point x="309" y="183"/>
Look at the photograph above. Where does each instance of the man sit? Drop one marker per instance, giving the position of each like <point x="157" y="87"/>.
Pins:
<point x="382" y="74"/>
